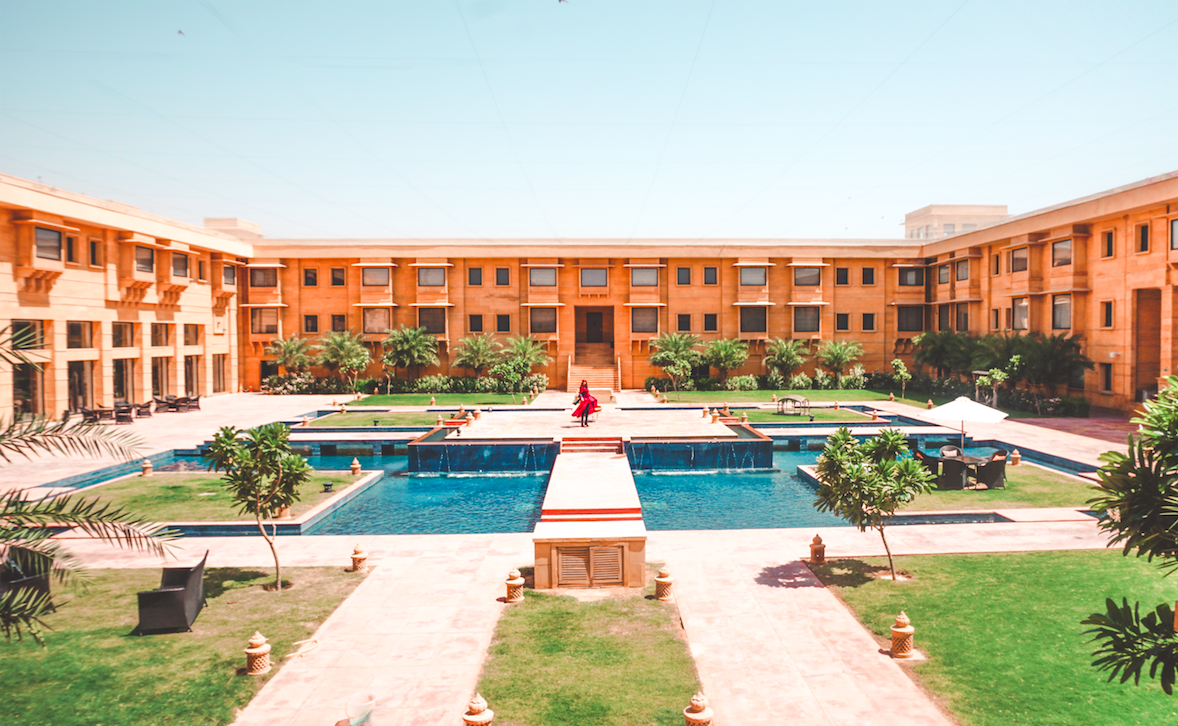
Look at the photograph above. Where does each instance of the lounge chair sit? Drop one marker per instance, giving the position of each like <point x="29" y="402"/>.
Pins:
<point x="953" y="474"/>
<point x="932" y="463"/>
<point x="992" y="474"/>
<point x="177" y="601"/>
<point x="949" y="451"/>
<point x="1000" y="455"/>
<point x="143" y="410"/>
<point x="89" y="416"/>
<point x="124" y="414"/>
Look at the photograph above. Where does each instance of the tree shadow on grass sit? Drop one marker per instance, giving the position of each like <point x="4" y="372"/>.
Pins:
<point x="791" y="575"/>
<point x="221" y="579"/>
<point x="846" y="573"/>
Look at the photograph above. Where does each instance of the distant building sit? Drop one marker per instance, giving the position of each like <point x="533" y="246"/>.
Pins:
<point x="945" y="220"/>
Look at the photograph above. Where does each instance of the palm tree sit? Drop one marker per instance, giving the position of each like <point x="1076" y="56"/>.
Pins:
<point x="726" y="355"/>
<point x="999" y="350"/>
<point x="477" y="353"/>
<point x="676" y="354"/>
<point x="292" y="354"/>
<point x="25" y="523"/>
<point x="836" y="355"/>
<point x="934" y="350"/>
<point x="785" y="356"/>
<point x="345" y="353"/>
<point x="1049" y="360"/>
<point x="527" y="350"/>
<point x="408" y="347"/>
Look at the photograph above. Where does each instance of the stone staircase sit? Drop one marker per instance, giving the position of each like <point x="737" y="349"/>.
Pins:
<point x="591" y="444"/>
<point x="597" y="368"/>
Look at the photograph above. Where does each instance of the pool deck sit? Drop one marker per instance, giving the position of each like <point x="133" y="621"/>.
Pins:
<point x="611" y="421"/>
<point x="590" y="487"/>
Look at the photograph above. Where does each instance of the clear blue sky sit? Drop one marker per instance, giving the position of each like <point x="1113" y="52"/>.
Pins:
<point x="615" y="118"/>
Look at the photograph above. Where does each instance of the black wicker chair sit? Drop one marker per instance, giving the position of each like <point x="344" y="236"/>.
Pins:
<point x="124" y="414"/>
<point x="177" y="601"/>
<point x="194" y="403"/>
<point x="143" y="410"/>
<point x="932" y="463"/>
<point x="992" y="474"/>
<point x="953" y="474"/>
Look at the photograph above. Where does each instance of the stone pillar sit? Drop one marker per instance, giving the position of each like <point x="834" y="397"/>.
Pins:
<point x="146" y="468"/>
<point x="359" y="559"/>
<point x="929" y="405"/>
<point x="698" y="713"/>
<point x="477" y="713"/>
<point x="817" y="551"/>
<point x="257" y="655"/>
<point x="515" y="587"/>
<point x="663" y="585"/>
<point x="355" y="466"/>
<point x="902" y="637"/>
<point x="1015" y="458"/>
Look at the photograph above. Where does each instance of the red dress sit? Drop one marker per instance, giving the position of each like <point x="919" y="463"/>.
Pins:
<point x="588" y="402"/>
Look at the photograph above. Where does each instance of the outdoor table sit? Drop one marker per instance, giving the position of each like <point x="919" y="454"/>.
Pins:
<point x="970" y="462"/>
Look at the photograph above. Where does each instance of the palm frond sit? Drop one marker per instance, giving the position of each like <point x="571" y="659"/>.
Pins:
<point x="21" y="611"/>
<point x="96" y="518"/>
<point x="68" y="438"/>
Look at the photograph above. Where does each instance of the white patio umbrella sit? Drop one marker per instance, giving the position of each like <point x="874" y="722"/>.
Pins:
<point x="964" y="409"/>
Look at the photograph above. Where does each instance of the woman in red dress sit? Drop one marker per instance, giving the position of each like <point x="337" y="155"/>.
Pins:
<point x="587" y="404"/>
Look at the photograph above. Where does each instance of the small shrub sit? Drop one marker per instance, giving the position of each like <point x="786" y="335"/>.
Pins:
<point x="662" y="385"/>
<point x="800" y="382"/>
<point x="432" y="384"/>
<point x="881" y="380"/>
<point x="823" y="381"/>
<point x="775" y="381"/>
<point x="855" y="379"/>
<point x="708" y="384"/>
<point x="536" y="381"/>
<point x="741" y="383"/>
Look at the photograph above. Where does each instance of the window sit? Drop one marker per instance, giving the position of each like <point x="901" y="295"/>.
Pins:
<point x="220" y="372"/>
<point x="805" y="276"/>
<point x="911" y="276"/>
<point x="949" y="229"/>
<point x="160" y="385"/>
<point x="502" y="323"/>
<point x="96" y="253"/>
<point x="376" y="320"/>
<point x="431" y="276"/>
<point x="123" y="379"/>
<point x="1061" y="312"/>
<point x="995" y="318"/>
<point x="754" y="276"/>
<point x="264" y="321"/>
<point x="1022" y="313"/>
<point x="475" y="324"/>
<point x="683" y="276"/>
<point x="339" y="323"/>
<point x="311" y="277"/>
<point x="542" y="277"/>
<point x="264" y="277"/>
<point x="339" y="277"/>
<point x="962" y="317"/>
<point x="502" y="276"/>
<point x="179" y="265"/>
<point x="71" y="249"/>
<point x="1061" y="253"/>
<point x="710" y="325"/>
<point x="160" y="334"/>
<point x="842" y="276"/>
<point x="963" y="269"/>
<point x="122" y="335"/>
<point x="1143" y="238"/>
<point x="79" y="334"/>
<point x="1106" y="377"/>
<point x="310" y="323"/>
<point x="1018" y="259"/>
<point x="684" y="321"/>
<point x="229" y="274"/>
<point x="594" y="277"/>
<point x="432" y="319"/>
<point x="474" y="276"/>
<point x="374" y="276"/>
<point x="806" y="320"/>
<point x="1076" y="379"/>
<point x="644" y="277"/>
<point x="754" y="320"/>
<point x="909" y="318"/>
<point x="191" y="334"/>
<point x="47" y="243"/>
<point x="542" y="320"/>
<point x="1174" y="234"/>
<point x="942" y="274"/>
<point x="144" y="259"/>
<point x="943" y="313"/>
<point x="710" y="276"/>
<point x="1106" y="314"/>
<point x="868" y="275"/>
<point x="868" y="322"/>
<point x="995" y="264"/>
<point x="644" y="320"/>
<point x="842" y="321"/>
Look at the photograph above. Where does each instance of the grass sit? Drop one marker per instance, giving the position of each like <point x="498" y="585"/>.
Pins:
<point x="1026" y="486"/>
<point x="849" y="396"/>
<point x="442" y="399"/>
<point x="361" y="419"/>
<point x="616" y="662"/>
<point x="95" y="672"/>
<point x="1003" y="632"/>
<point x="819" y="414"/>
<point x="198" y="497"/>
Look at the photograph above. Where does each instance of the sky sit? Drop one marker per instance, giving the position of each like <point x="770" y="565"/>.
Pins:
<point x="694" y="119"/>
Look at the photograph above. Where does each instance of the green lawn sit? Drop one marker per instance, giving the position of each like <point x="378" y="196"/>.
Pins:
<point x="1026" y="486"/>
<point x="614" y="662"/>
<point x="820" y="415"/>
<point x="95" y="672"/>
<point x="365" y="418"/>
<point x="1003" y="632"/>
<point x="442" y="399"/>
<point x="197" y="497"/>
<point x="850" y="396"/>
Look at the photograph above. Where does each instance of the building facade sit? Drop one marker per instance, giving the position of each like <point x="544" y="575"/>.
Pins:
<point x="1101" y="267"/>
